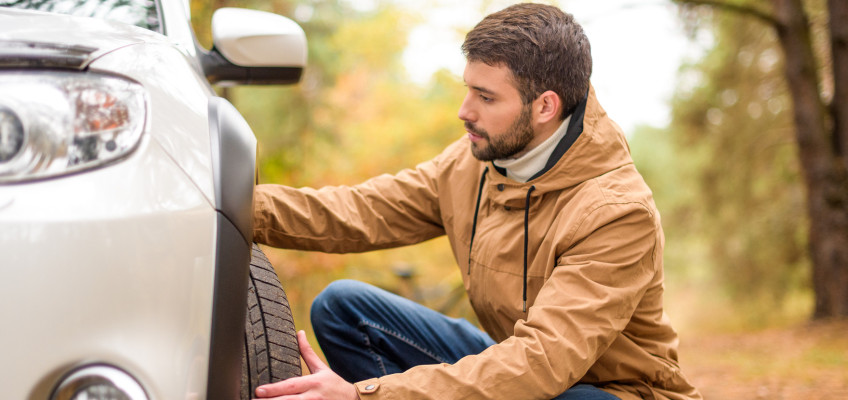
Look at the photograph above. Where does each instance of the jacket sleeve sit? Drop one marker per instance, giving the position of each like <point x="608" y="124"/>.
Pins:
<point x="580" y="310"/>
<point x="386" y="211"/>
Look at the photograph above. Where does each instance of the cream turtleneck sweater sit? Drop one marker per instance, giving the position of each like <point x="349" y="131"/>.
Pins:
<point x="523" y="168"/>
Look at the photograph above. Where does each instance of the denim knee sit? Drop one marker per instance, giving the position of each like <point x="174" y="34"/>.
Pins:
<point x="331" y="301"/>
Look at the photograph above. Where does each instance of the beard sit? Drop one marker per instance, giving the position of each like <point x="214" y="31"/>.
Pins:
<point x="505" y="145"/>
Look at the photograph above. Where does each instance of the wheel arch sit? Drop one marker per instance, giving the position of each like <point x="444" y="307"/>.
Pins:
<point x="234" y="165"/>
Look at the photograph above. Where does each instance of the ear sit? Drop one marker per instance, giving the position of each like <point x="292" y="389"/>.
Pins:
<point x="547" y="107"/>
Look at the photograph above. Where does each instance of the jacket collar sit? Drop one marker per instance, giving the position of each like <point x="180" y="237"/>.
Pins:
<point x="592" y="146"/>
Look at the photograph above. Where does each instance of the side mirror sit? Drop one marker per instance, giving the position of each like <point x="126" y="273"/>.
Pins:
<point x="254" y="47"/>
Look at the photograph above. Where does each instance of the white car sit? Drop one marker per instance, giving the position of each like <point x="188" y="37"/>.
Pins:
<point x="125" y="193"/>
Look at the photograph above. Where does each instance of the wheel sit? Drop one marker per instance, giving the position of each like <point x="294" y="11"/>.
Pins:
<point x="270" y="343"/>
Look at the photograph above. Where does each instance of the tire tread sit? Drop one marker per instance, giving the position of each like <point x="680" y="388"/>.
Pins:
<point x="271" y="352"/>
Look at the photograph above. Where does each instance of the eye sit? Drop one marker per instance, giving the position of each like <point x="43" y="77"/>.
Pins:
<point x="486" y="99"/>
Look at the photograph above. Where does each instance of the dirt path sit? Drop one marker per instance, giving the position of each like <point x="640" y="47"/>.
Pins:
<point x="808" y="362"/>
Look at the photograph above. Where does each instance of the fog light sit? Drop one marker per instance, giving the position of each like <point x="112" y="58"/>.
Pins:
<point x="11" y="134"/>
<point x="99" y="382"/>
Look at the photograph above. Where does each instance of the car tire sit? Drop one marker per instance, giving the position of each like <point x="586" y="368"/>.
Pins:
<point x="270" y="342"/>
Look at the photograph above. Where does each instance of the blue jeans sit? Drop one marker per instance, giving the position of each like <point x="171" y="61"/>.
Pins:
<point x="367" y="332"/>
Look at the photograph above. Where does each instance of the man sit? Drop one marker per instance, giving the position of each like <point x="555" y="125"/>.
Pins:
<point x="556" y="234"/>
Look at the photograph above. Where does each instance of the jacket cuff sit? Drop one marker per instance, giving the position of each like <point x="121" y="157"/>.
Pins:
<point x="367" y="387"/>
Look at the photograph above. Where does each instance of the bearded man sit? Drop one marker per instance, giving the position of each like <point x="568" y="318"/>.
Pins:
<point x="555" y="232"/>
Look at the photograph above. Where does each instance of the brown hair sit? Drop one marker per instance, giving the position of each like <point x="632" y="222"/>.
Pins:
<point x="544" y="47"/>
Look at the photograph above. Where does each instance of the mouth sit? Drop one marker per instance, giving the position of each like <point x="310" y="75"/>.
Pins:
<point x="475" y="134"/>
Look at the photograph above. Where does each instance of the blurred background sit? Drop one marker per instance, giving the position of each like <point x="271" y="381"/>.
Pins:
<point x="755" y="270"/>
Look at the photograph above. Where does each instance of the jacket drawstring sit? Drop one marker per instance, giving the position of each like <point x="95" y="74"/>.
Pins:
<point x="476" y="211"/>
<point x="526" y="234"/>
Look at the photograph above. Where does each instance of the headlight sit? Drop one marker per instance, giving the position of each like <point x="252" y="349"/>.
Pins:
<point x="53" y="123"/>
<point x="99" y="382"/>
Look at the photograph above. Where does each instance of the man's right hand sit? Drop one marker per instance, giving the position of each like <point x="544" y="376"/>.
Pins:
<point x="321" y="383"/>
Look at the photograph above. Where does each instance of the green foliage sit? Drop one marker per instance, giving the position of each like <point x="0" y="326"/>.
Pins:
<point x="725" y="172"/>
<point x="354" y="115"/>
<point x="736" y="211"/>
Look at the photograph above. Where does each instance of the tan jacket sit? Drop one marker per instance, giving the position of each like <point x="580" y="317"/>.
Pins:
<point x="594" y="279"/>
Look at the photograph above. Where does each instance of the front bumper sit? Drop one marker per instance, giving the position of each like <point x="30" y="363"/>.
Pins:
<point x="114" y="265"/>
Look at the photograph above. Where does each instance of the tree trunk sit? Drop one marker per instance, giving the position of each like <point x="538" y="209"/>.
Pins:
<point x="838" y="12"/>
<point x="822" y="135"/>
<point x="824" y="170"/>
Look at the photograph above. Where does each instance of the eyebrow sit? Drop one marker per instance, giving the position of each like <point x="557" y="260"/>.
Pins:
<point x="482" y="89"/>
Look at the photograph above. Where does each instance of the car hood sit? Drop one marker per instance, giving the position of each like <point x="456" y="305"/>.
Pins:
<point x="41" y="39"/>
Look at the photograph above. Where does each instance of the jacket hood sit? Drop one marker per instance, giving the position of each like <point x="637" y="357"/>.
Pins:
<point x="600" y="148"/>
<point x="42" y="39"/>
<point x="593" y="145"/>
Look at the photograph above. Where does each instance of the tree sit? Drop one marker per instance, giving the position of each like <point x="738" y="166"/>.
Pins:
<point x="726" y="176"/>
<point x="820" y="118"/>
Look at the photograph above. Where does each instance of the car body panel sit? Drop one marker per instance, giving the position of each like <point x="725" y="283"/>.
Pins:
<point x="42" y="27"/>
<point x="178" y="93"/>
<point x="120" y="310"/>
<point x="178" y="105"/>
<point x="139" y="263"/>
<point x="176" y="16"/>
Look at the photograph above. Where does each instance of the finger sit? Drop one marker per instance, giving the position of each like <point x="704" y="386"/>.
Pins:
<point x="289" y="386"/>
<point x="313" y="362"/>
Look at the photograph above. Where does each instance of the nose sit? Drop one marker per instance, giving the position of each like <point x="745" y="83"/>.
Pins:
<point x="465" y="111"/>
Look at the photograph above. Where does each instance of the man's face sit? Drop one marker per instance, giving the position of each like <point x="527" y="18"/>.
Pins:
<point x="498" y="123"/>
